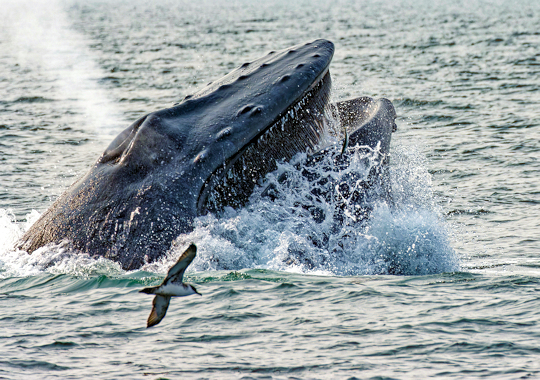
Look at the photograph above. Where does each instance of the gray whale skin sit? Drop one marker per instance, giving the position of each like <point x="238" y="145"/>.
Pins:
<point x="204" y="153"/>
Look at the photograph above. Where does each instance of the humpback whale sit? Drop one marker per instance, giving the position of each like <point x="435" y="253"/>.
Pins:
<point x="205" y="153"/>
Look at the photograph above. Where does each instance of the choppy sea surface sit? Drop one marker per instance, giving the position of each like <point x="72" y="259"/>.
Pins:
<point x="464" y="301"/>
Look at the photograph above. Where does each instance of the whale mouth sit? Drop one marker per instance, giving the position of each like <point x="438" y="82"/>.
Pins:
<point x="298" y="129"/>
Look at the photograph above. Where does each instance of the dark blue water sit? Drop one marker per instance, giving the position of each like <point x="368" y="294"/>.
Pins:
<point x="465" y="80"/>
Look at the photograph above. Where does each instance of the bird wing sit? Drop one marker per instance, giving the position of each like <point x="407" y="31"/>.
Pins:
<point x="176" y="273"/>
<point x="159" y="309"/>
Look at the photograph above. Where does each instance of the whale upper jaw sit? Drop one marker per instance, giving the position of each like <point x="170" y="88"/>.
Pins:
<point x="266" y="110"/>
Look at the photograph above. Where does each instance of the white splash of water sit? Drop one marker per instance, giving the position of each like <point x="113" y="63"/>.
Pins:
<point x="53" y="258"/>
<point x="10" y="231"/>
<point x="405" y="235"/>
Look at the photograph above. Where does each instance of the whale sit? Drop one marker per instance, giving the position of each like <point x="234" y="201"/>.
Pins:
<point x="205" y="153"/>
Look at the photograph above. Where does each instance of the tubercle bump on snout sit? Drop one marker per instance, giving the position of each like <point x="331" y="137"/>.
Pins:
<point x="201" y="157"/>
<point x="251" y="109"/>
<point x="223" y="133"/>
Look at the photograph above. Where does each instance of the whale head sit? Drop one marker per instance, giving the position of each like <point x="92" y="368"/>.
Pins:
<point x="204" y="153"/>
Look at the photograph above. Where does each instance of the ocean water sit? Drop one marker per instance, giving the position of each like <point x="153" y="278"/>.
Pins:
<point x="445" y="283"/>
